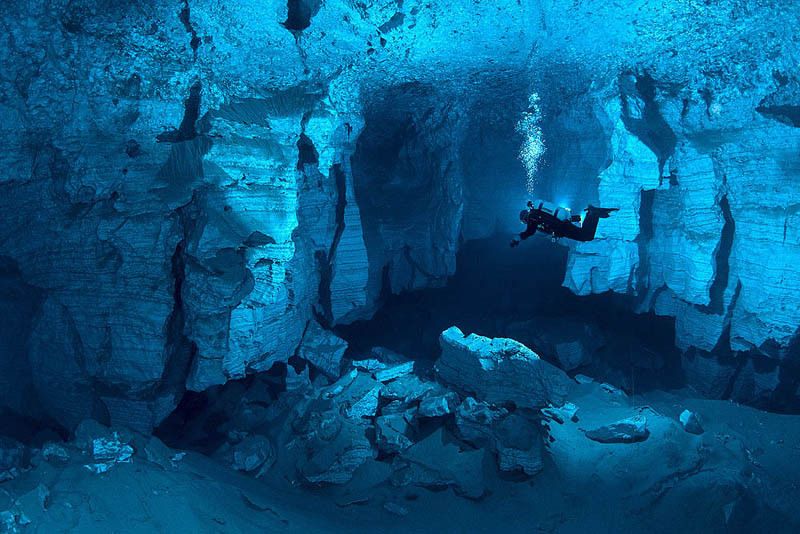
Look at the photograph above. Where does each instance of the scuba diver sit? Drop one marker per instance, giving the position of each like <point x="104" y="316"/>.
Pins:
<point x="559" y="222"/>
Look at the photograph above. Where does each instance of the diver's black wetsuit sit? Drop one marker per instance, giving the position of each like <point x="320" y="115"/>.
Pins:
<point x="536" y="220"/>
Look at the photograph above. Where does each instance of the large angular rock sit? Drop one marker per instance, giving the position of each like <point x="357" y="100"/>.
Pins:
<point x="253" y="452"/>
<point x="516" y="440"/>
<point x="690" y="422"/>
<point x="323" y="349"/>
<point x="334" y="458"/>
<point x="499" y="370"/>
<point x="391" y="432"/>
<point x="475" y="421"/>
<point x="438" y="405"/>
<point x="107" y="452"/>
<point x="629" y="430"/>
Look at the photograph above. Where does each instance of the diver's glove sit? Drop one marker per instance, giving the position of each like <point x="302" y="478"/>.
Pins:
<point x="514" y="243"/>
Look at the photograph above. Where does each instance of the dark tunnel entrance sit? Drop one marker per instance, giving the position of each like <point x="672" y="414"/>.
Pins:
<point x="497" y="291"/>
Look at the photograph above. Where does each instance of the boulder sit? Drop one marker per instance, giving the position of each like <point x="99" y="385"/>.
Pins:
<point x="410" y="388"/>
<point x="475" y="420"/>
<point x="332" y="429"/>
<point x="515" y="439"/>
<point x="438" y="405"/>
<point x="630" y="430"/>
<point x="567" y="412"/>
<point x="357" y="393"/>
<point x="55" y="453"/>
<point x="253" y="452"/>
<point x="323" y="349"/>
<point x="690" y="422"/>
<point x="369" y="365"/>
<point x="107" y="452"/>
<point x="499" y="370"/>
<point x="335" y="460"/>
<point x="391" y="433"/>
<point x="395" y="371"/>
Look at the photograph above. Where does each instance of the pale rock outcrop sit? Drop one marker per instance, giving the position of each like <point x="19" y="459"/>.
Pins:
<point x="499" y="370"/>
<point x="611" y="262"/>
<point x="182" y="207"/>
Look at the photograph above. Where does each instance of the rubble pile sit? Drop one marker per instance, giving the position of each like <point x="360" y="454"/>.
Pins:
<point x="384" y="420"/>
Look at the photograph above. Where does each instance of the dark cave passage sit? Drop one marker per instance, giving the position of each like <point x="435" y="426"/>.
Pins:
<point x="497" y="291"/>
<point x="300" y="13"/>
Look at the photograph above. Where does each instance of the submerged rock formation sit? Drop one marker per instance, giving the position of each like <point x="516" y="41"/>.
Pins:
<point x="180" y="196"/>
<point x="187" y="186"/>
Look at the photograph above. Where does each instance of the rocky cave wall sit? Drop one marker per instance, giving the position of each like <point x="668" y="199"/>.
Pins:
<point x="703" y="162"/>
<point x="179" y="192"/>
<point x="188" y="185"/>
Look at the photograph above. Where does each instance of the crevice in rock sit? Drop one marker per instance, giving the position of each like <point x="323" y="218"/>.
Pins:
<point x="716" y="292"/>
<point x="300" y="13"/>
<point x="787" y="114"/>
<point x="340" y="179"/>
<point x="307" y="152"/>
<point x="741" y="362"/>
<point x="19" y="305"/>
<point x="187" y="130"/>
<point x="180" y="349"/>
<point x="783" y="105"/>
<point x="417" y="268"/>
<point x="646" y="214"/>
<point x="642" y="116"/>
<point x="393" y="23"/>
<point x="185" y="17"/>
<point x="323" y="309"/>
<point x="325" y="260"/>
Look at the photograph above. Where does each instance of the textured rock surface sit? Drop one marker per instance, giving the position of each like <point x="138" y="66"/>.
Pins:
<point x="700" y="161"/>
